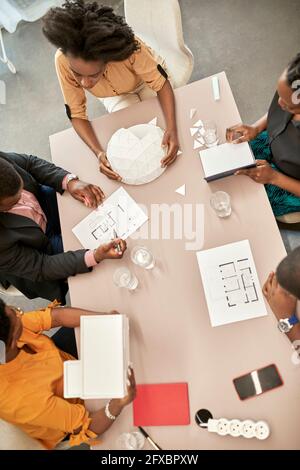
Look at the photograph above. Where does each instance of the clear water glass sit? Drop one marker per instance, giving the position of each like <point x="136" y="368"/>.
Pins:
<point x="210" y="134"/>
<point x="123" y="277"/>
<point x="220" y="202"/>
<point x="131" y="440"/>
<point x="143" y="257"/>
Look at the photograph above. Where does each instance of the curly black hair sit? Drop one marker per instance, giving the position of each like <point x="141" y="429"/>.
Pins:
<point x="10" y="180"/>
<point x="89" y="31"/>
<point x="4" y="323"/>
<point x="293" y="70"/>
<point x="288" y="273"/>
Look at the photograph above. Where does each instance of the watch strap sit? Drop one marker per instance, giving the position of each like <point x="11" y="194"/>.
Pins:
<point x="293" y="320"/>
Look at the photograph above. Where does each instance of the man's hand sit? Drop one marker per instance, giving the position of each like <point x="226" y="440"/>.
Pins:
<point x="170" y="140"/>
<point x="105" y="167"/>
<point x="90" y="194"/>
<point x="263" y="173"/>
<point x="282" y="303"/>
<point x="110" y="250"/>
<point x="241" y="133"/>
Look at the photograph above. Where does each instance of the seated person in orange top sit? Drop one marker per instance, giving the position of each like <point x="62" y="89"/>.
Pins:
<point x="98" y="52"/>
<point x="31" y="379"/>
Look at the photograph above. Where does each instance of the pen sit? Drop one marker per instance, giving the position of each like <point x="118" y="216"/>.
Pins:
<point x="119" y="250"/>
<point x="146" y="435"/>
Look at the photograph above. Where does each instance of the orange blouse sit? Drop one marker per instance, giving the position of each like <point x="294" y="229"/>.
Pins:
<point x="31" y="388"/>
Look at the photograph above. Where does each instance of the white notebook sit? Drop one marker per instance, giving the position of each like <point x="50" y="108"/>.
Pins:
<point x="225" y="159"/>
<point x="102" y="369"/>
<point x="231" y="285"/>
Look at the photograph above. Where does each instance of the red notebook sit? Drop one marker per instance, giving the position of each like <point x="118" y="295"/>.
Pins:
<point x="161" y="405"/>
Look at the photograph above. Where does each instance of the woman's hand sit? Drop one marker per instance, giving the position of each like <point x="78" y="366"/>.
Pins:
<point x="241" y="133"/>
<point x="105" y="168"/>
<point x="263" y="173"/>
<point x="131" y="389"/>
<point x="170" y="140"/>
<point x="281" y="302"/>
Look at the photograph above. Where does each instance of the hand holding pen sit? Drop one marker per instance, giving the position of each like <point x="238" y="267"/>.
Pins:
<point x="110" y="250"/>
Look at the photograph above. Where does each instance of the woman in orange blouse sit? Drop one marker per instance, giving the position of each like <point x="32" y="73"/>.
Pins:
<point x="31" y="379"/>
<point x="99" y="53"/>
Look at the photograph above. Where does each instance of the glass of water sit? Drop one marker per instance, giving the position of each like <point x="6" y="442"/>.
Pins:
<point x="210" y="134"/>
<point x="220" y="202"/>
<point x="131" y="440"/>
<point x="123" y="277"/>
<point x="143" y="257"/>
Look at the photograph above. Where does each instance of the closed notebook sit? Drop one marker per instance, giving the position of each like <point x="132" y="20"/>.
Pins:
<point x="161" y="405"/>
<point x="225" y="159"/>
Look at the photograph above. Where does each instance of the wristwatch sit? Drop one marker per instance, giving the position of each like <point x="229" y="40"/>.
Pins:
<point x="286" y="324"/>
<point x="70" y="177"/>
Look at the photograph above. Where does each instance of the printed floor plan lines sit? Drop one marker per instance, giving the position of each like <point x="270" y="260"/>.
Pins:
<point x="238" y="282"/>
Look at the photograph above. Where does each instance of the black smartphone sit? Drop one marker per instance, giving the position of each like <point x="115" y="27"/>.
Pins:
<point x="257" y="382"/>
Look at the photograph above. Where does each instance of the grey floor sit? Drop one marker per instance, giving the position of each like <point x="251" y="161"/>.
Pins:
<point x="251" y="40"/>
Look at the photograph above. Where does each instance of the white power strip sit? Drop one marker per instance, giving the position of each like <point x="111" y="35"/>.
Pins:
<point x="236" y="428"/>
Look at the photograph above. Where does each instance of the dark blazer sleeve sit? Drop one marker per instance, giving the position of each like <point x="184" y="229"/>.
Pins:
<point x="41" y="170"/>
<point x="29" y="263"/>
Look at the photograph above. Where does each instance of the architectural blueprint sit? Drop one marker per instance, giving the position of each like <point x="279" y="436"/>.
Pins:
<point x="230" y="283"/>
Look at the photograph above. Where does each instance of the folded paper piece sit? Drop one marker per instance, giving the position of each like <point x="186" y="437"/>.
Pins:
<point x="179" y="153"/>
<point x="119" y="213"/>
<point x="192" y="113"/>
<point x="136" y="153"/>
<point x="101" y="371"/>
<point x="197" y="144"/>
<point x="231" y="285"/>
<point x="153" y="121"/>
<point x="181" y="190"/>
<point x="161" y="405"/>
<point x="225" y="160"/>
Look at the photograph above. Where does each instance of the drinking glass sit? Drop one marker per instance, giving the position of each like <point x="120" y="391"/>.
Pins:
<point x="131" y="440"/>
<point x="123" y="277"/>
<point x="220" y="202"/>
<point x="143" y="257"/>
<point x="210" y="134"/>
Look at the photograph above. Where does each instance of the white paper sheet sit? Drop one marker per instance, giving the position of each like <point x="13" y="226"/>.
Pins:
<point x="226" y="157"/>
<point x="119" y="212"/>
<point x="231" y="284"/>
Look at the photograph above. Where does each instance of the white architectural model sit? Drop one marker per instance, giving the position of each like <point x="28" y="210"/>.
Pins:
<point x="230" y="283"/>
<point x="136" y="153"/>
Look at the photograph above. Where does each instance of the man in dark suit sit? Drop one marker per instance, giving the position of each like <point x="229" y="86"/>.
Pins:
<point x="31" y="251"/>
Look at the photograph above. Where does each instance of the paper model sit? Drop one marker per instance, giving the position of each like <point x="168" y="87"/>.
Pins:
<point x="197" y="144"/>
<point x="179" y="153"/>
<point x="101" y="371"/>
<point x="231" y="286"/>
<point x="118" y="214"/>
<point x="136" y="153"/>
<point x="181" y="190"/>
<point x="225" y="160"/>
<point x="193" y="131"/>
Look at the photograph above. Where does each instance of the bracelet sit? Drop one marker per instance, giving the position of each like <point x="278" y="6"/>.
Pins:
<point x="108" y="413"/>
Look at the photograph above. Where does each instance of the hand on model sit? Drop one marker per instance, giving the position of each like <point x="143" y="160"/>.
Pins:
<point x="105" y="167"/>
<point x="170" y="142"/>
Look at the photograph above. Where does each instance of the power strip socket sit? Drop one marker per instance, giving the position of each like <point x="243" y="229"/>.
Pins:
<point x="236" y="428"/>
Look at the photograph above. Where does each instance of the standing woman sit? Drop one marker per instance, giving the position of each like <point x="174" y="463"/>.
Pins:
<point x="275" y="141"/>
<point x="98" y="52"/>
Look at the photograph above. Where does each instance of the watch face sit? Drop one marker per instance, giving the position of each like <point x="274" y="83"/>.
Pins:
<point x="284" y="326"/>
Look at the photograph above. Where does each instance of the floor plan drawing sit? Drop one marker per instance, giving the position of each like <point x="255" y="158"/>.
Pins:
<point x="238" y="281"/>
<point x="231" y="284"/>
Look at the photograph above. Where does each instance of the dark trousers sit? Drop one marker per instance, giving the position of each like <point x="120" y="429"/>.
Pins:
<point x="65" y="340"/>
<point x="48" y="202"/>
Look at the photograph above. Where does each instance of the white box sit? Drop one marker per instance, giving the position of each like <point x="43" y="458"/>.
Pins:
<point x="102" y="369"/>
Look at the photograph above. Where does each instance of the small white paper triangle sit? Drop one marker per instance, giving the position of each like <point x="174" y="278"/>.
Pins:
<point x="179" y="153"/>
<point x="153" y="121"/>
<point x="2" y="92"/>
<point x="197" y="144"/>
<point x="193" y="130"/>
<point x="181" y="190"/>
<point x="192" y="112"/>
<point x="198" y="123"/>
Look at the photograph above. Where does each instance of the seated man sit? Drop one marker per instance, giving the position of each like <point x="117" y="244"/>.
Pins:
<point x="31" y="378"/>
<point x="31" y="251"/>
<point x="97" y="52"/>
<point x="282" y="291"/>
